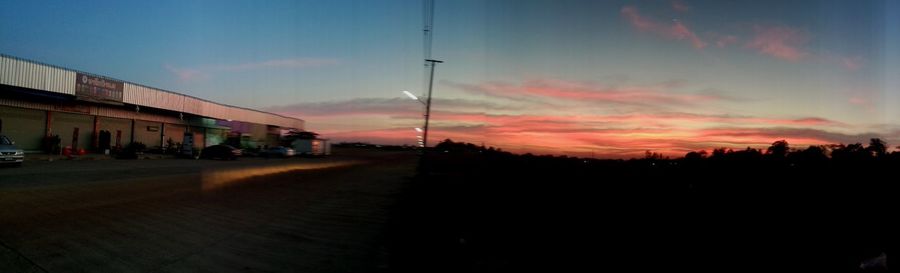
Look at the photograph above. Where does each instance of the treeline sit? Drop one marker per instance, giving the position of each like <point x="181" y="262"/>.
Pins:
<point x="779" y="152"/>
<point x="782" y="151"/>
<point x="815" y="209"/>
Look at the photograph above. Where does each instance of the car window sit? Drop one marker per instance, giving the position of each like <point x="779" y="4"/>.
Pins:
<point x="5" y="141"/>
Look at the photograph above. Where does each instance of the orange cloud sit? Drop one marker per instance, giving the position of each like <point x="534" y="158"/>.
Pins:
<point x="610" y="136"/>
<point x="528" y="123"/>
<point x="583" y="135"/>
<point x="643" y="120"/>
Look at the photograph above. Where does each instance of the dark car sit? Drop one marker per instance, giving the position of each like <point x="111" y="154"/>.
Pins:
<point x="277" y="152"/>
<point x="220" y="151"/>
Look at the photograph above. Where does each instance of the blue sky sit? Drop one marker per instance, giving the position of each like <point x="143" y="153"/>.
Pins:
<point x="653" y="71"/>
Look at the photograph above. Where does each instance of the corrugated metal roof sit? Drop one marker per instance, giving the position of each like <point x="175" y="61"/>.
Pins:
<point x="27" y="74"/>
<point x="19" y="72"/>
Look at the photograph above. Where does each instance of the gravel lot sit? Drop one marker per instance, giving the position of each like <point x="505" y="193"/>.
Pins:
<point x="180" y="215"/>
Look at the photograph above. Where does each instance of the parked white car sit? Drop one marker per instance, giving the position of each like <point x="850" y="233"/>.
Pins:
<point x="9" y="153"/>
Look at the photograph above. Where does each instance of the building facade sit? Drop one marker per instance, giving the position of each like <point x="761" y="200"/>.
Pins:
<point x="94" y="112"/>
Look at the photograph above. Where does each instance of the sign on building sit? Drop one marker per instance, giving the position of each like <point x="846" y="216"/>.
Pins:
<point x="97" y="89"/>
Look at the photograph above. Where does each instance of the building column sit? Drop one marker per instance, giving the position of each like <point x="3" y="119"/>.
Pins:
<point x="95" y="137"/>
<point x="162" y="134"/>
<point x="132" y="132"/>
<point x="48" y="130"/>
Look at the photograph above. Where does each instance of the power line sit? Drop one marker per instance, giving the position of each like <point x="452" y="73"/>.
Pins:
<point x="428" y="17"/>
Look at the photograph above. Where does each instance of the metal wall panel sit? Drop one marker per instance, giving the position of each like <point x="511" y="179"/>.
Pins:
<point x="192" y="105"/>
<point x="175" y="132"/>
<point x="24" y="126"/>
<point x="27" y="74"/>
<point x="25" y="104"/>
<point x="21" y="73"/>
<point x="215" y="110"/>
<point x="130" y="114"/>
<point x="151" y="97"/>
<point x="116" y="124"/>
<point x="144" y="135"/>
<point x="113" y="112"/>
<point x="64" y="124"/>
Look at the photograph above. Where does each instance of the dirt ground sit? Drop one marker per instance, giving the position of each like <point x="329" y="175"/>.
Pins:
<point x="295" y="215"/>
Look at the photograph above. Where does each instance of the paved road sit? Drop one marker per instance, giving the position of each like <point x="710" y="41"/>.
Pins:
<point x="294" y="215"/>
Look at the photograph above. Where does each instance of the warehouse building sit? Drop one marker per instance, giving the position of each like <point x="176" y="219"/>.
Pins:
<point x="94" y="113"/>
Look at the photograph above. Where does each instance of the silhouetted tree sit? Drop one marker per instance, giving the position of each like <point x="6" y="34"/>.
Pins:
<point x="813" y="154"/>
<point x="304" y="135"/>
<point x="695" y="155"/>
<point x="292" y="135"/>
<point x="877" y="147"/>
<point x="718" y="154"/>
<point x="778" y="150"/>
<point x="652" y="155"/>
<point x="852" y="152"/>
<point x="746" y="155"/>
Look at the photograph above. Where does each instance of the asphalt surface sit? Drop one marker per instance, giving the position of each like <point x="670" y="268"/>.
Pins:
<point x="181" y="215"/>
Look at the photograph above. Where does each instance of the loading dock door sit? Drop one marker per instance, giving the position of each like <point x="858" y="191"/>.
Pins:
<point x="73" y="129"/>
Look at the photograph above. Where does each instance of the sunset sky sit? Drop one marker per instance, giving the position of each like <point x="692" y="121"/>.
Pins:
<point x="608" y="78"/>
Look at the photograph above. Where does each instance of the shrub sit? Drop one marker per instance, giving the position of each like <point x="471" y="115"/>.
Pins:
<point x="132" y="150"/>
<point x="50" y="144"/>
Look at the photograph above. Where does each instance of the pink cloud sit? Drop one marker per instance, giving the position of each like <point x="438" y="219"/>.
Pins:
<point x="558" y="90"/>
<point x="726" y="40"/>
<point x="677" y="30"/>
<point x="681" y="32"/>
<point x="278" y="63"/>
<point x="631" y="135"/>
<point x="680" y="6"/>
<point x="612" y="136"/>
<point x="593" y="122"/>
<point x="864" y="99"/>
<point x="186" y="74"/>
<point x="537" y="129"/>
<point x="781" y="42"/>
<point x="858" y="101"/>
<point x="851" y="63"/>
<point x="531" y="120"/>
<point x="381" y="107"/>
<point x="609" y="136"/>
<point x="204" y="72"/>
<point x="638" y="21"/>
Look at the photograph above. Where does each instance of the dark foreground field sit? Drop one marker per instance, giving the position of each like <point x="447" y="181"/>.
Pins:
<point x="460" y="211"/>
<point x="478" y="211"/>
<point x="179" y="215"/>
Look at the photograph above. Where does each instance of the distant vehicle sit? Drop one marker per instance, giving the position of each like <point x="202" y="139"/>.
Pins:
<point x="9" y="153"/>
<point x="315" y="147"/>
<point x="279" y="151"/>
<point x="220" y="151"/>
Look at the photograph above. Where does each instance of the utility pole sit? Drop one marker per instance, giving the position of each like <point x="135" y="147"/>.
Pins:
<point x="428" y="103"/>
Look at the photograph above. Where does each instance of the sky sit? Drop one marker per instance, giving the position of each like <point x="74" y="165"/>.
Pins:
<point x="609" y="79"/>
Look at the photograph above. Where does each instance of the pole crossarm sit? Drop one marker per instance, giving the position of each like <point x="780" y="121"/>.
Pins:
<point x="428" y="101"/>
